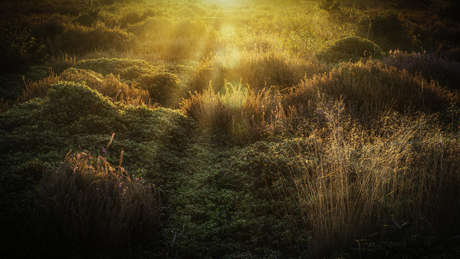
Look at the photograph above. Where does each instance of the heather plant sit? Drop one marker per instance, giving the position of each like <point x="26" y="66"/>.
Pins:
<point x="350" y="48"/>
<point x="389" y="30"/>
<point x="86" y="206"/>
<point x="430" y="66"/>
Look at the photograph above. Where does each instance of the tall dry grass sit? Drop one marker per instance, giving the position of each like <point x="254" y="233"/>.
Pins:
<point x="351" y="179"/>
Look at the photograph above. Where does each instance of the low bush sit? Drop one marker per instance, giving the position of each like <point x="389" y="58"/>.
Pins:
<point x="86" y="206"/>
<point x="388" y="30"/>
<point x="350" y="48"/>
<point x="77" y="39"/>
<point x="163" y="89"/>
<point x="369" y="89"/>
<point x="431" y="67"/>
<point x="329" y="5"/>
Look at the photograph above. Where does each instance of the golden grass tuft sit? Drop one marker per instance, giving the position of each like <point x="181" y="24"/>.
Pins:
<point x="351" y="179"/>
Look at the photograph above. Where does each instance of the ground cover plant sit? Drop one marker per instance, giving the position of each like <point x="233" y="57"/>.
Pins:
<point x="229" y="129"/>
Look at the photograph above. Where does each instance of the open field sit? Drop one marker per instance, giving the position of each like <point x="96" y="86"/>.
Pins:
<point x="229" y="129"/>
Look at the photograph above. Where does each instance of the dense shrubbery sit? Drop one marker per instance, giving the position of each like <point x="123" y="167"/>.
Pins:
<point x="350" y="49"/>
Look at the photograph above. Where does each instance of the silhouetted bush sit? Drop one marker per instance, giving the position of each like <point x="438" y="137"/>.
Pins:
<point x="350" y="48"/>
<point x="388" y="30"/>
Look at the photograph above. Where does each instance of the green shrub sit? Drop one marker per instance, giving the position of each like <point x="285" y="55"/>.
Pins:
<point x="388" y="30"/>
<point x="78" y="107"/>
<point x="350" y="48"/>
<point x="163" y="88"/>
<point x="85" y="206"/>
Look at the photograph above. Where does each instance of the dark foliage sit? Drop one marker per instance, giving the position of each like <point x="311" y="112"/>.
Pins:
<point x="388" y="30"/>
<point x="85" y="206"/>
